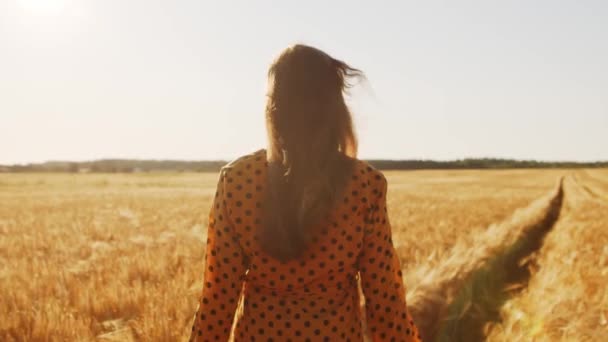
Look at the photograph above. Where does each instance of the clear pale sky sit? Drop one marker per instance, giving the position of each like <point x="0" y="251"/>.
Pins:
<point x="87" y="79"/>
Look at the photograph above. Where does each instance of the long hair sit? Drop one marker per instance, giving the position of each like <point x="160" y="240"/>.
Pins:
<point x="311" y="146"/>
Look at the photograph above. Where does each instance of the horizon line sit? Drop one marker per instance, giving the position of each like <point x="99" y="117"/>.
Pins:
<point x="542" y="161"/>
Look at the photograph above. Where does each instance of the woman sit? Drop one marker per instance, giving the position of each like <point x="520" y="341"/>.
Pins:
<point x="297" y="225"/>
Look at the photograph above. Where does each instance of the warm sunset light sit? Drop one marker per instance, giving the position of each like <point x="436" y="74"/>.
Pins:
<point x="316" y="170"/>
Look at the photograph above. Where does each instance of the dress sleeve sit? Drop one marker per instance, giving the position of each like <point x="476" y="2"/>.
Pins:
<point x="387" y="316"/>
<point x="225" y="268"/>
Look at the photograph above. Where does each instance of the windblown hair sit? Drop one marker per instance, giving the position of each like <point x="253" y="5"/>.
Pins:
<point x="311" y="146"/>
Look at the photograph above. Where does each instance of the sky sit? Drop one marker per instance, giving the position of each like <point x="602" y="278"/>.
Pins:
<point x="90" y="79"/>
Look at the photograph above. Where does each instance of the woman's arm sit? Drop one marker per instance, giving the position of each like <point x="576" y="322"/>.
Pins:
<point x="388" y="318"/>
<point x="223" y="276"/>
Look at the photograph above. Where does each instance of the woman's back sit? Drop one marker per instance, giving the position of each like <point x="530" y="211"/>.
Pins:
<point x="313" y="297"/>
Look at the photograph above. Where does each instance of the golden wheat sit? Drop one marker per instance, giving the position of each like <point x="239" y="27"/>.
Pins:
<point x="567" y="297"/>
<point x="120" y="257"/>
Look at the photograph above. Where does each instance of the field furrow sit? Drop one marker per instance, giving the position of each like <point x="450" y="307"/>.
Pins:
<point x="595" y="182"/>
<point x="566" y="299"/>
<point x="455" y="300"/>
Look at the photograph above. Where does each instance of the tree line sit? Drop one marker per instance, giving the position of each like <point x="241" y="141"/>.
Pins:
<point x="133" y="165"/>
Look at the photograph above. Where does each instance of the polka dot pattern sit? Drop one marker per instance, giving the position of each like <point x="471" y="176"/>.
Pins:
<point x="314" y="297"/>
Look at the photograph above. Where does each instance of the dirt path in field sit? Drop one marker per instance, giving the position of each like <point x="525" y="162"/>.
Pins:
<point x="584" y="193"/>
<point x="456" y="301"/>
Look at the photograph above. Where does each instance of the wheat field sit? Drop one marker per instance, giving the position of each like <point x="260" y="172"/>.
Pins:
<point x="505" y="255"/>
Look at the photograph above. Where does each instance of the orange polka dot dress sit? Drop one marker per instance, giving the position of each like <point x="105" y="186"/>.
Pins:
<point x="314" y="297"/>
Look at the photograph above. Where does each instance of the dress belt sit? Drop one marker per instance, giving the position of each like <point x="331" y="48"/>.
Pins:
<point x="320" y="287"/>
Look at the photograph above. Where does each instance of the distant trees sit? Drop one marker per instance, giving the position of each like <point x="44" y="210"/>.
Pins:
<point x="132" y="165"/>
<point x="73" y="167"/>
<point x="482" y="163"/>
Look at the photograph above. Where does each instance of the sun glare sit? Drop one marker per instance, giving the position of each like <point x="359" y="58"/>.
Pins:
<point x="46" y="7"/>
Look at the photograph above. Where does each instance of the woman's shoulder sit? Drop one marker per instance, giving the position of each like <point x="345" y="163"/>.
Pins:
<point x="250" y="161"/>
<point x="256" y="161"/>
<point x="366" y="170"/>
